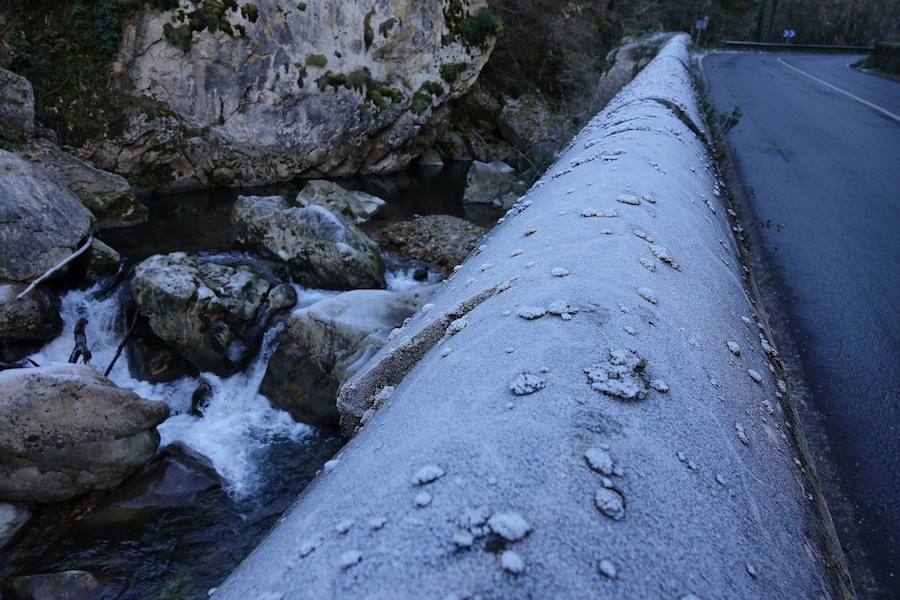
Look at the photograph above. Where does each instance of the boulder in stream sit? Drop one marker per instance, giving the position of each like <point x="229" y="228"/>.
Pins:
<point x="441" y="240"/>
<point x="70" y="585"/>
<point x="354" y="205"/>
<point x="66" y="430"/>
<point x="493" y="183"/>
<point x="41" y="221"/>
<point x="27" y="322"/>
<point x="322" y="249"/>
<point x="213" y="315"/>
<point x="324" y="344"/>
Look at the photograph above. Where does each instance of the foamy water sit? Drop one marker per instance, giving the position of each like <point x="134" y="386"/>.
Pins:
<point x="238" y="424"/>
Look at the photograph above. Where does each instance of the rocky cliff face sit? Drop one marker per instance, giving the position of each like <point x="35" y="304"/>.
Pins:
<point x="286" y="89"/>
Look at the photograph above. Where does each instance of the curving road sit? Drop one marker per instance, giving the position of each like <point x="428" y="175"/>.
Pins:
<point x="818" y="154"/>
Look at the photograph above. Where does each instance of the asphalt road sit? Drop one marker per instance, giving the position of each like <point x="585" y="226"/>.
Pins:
<point x="821" y="168"/>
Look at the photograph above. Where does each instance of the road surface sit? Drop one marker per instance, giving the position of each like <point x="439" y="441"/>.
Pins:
<point x="818" y="153"/>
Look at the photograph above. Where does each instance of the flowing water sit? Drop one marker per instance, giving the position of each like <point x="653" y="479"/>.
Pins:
<point x="177" y="528"/>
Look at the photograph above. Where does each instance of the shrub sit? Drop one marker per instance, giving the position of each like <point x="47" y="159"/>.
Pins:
<point x="316" y="60"/>
<point x="451" y="71"/>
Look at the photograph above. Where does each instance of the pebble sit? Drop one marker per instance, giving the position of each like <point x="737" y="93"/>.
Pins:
<point x="734" y="347"/>
<point x="516" y="252"/>
<point x="529" y="231"/>
<point x="428" y="474"/>
<point x="531" y="313"/>
<point x="446" y="352"/>
<point x="511" y="526"/>
<point x="457" y="326"/>
<point x="423" y="499"/>
<point x="527" y="383"/>
<point x="659" y="385"/>
<point x="350" y="558"/>
<point x="607" y="569"/>
<point x="628" y="199"/>
<point x="559" y="272"/>
<point x="344" y="526"/>
<point x="377" y="523"/>
<point x="599" y="460"/>
<point x="755" y="376"/>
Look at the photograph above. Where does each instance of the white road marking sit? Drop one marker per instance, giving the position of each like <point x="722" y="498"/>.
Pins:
<point x="883" y="111"/>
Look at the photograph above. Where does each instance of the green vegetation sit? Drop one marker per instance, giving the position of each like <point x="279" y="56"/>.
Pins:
<point x="451" y="71"/>
<point x="473" y="31"/>
<point x="377" y="93"/>
<point x="423" y="99"/>
<point x="316" y="60"/>
<point x="302" y="6"/>
<point x="209" y="15"/>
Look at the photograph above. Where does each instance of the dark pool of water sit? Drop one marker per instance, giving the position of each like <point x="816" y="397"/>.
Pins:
<point x="201" y="221"/>
<point x="179" y="550"/>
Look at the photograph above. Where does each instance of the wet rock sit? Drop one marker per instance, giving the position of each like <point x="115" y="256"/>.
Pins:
<point x="41" y="221"/>
<point x="174" y="479"/>
<point x="441" y="240"/>
<point x="430" y="159"/>
<point x="321" y="248"/>
<point x="492" y="183"/>
<point x="201" y="397"/>
<point x="213" y="315"/>
<point x="28" y="322"/>
<point x="13" y="519"/>
<point x="66" y="430"/>
<point x="354" y="205"/>
<point x="100" y="261"/>
<point x="16" y="106"/>
<point x="68" y="585"/>
<point x="150" y="359"/>
<point x="107" y="195"/>
<point x="324" y="344"/>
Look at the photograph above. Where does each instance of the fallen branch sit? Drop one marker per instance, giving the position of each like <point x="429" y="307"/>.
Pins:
<point x="122" y="345"/>
<point x="58" y="266"/>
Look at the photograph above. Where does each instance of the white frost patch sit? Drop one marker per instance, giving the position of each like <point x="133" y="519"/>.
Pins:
<point x="559" y="272"/>
<point x="622" y="377"/>
<point x="628" y="199"/>
<point x="446" y="352"/>
<point x="601" y="213"/>
<point x="306" y="548"/>
<point x="463" y="539"/>
<point x="741" y="434"/>
<point x="527" y="383"/>
<point x="511" y="526"/>
<point x="377" y="523"/>
<point x="610" y="503"/>
<point x="599" y="460"/>
<point x="516" y="252"/>
<point x="532" y="312"/>
<point x="529" y="231"/>
<point x="457" y="326"/>
<point x="659" y="385"/>
<point x="423" y="499"/>
<point x="428" y="474"/>
<point x="512" y="562"/>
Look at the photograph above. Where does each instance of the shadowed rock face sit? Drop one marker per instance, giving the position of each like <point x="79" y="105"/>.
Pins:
<point x="30" y="320"/>
<point x="328" y="87"/>
<point x="322" y="249"/>
<point x="16" y="106"/>
<point x="213" y="315"/>
<point x="66" y="430"/>
<point x="107" y="195"/>
<point x="41" y="222"/>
